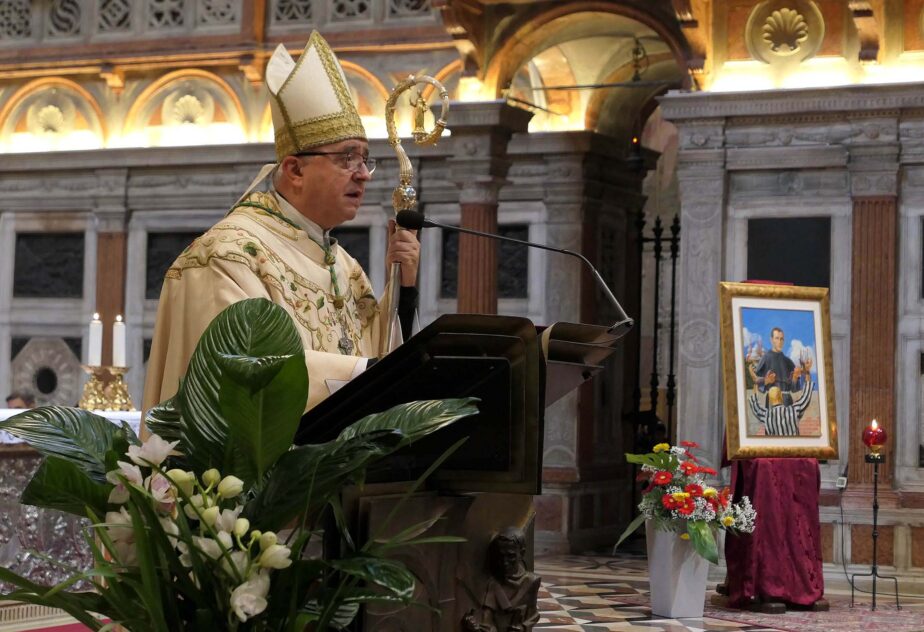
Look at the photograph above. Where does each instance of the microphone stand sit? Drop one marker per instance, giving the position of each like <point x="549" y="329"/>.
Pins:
<point x="414" y="219"/>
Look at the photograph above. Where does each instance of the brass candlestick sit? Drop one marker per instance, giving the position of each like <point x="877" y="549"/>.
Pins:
<point x="105" y="389"/>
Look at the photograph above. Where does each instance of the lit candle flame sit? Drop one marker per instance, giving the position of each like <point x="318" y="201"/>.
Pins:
<point x="874" y="424"/>
<point x="95" y="315"/>
<point x="119" y="318"/>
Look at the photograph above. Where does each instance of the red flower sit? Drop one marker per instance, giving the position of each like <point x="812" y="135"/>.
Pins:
<point x="689" y="468"/>
<point x="724" y="496"/>
<point x="688" y="506"/>
<point x="668" y="501"/>
<point x="694" y="490"/>
<point x="690" y="456"/>
<point x="662" y="478"/>
<point x="706" y="470"/>
<point x="689" y="444"/>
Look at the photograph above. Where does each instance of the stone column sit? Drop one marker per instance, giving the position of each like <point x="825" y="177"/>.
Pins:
<point x="701" y="175"/>
<point x="874" y="306"/>
<point x="479" y="164"/>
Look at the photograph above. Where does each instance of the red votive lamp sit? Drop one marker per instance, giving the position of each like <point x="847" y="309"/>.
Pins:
<point x="874" y="436"/>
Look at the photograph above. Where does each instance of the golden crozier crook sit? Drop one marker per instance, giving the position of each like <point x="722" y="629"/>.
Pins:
<point x="404" y="197"/>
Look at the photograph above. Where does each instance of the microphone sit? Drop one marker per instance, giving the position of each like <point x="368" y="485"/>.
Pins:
<point x="415" y="220"/>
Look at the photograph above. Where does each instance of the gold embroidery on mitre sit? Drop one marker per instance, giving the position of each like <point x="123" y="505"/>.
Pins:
<point x="296" y="136"/>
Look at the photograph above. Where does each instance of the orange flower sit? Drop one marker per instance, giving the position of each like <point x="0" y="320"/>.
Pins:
<point x="662" y="478"/>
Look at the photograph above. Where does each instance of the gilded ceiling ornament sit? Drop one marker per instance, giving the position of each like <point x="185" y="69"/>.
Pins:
<point x="784" y="31"/>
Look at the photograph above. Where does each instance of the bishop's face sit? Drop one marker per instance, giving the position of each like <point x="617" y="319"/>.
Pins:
<point x="332" y="192"/>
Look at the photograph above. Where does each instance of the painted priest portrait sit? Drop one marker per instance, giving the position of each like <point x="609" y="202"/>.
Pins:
<point x="780" y="373"/>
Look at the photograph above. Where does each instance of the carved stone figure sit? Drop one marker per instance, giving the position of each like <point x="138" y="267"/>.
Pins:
<point x="512" y="592"/>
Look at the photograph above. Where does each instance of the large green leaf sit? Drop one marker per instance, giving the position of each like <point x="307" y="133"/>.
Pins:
<point x="59" y="484"/>
<point x="164" y="421"/>
<point x="703" y="540"/>
<point x="263" y="400"/>
<point x="391" y="575"/>
<point x="305" y="478"/>
<point x="414" y="419"/>
<point x="635" y="524"/>
<point x="73" y="434"/>
<point x="252" y="327"/>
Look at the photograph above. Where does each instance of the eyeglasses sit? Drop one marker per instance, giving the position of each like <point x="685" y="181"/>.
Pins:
<point x="348" y="160"/>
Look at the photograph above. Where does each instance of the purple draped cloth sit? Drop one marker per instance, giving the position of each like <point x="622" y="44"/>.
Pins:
<point x="781" y="560"/>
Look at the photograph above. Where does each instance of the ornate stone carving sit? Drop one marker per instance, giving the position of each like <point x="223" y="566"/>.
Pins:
<point x="114" y="16"/>
<point x="166" y="14"/>
<point x="188" y="104"/>
<point x="291" y="11"/>
<point x="350" y="9"/>
<point x="15" y="20"/>
<point x="512" y="593"/>
<point x="699" y="340"/>
<point x="409" y="8"/>
<point x="48" y="368"/>
<point x="63" y="19"/>
<point x="779" y="30"/>
<point x="218" y="12"/>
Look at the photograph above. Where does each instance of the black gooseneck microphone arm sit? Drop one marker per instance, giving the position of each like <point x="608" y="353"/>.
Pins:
<point x="415" y="220"/>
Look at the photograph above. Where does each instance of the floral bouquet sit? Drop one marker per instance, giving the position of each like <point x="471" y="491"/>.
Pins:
<point x="677" y="499"/>
<point x="206" y="525"/>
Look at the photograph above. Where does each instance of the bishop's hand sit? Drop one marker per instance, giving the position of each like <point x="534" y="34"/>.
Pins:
<point x="403" y="248"/>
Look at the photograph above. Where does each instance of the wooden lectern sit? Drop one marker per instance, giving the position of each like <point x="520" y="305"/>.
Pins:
<point x="487" y="485"/>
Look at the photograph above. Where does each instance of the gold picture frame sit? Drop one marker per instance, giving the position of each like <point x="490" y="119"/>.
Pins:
<point x="779" y="386"/>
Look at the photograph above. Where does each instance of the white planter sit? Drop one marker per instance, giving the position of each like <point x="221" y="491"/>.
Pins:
<point x="677" y="575"/>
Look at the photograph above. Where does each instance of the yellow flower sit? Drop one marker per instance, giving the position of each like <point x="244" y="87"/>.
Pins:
<point x="680" y="496"/>
<point x="710" y="492"/>
<point x="728" y="521"/>
<point x="684" y="536"/>
<point x="661" y="447"/>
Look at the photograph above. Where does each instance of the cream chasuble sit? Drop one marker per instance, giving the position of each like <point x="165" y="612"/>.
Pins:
<point x="259" y="251"/>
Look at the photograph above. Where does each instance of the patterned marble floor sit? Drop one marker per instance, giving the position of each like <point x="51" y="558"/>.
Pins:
<point x="597" y="594"/>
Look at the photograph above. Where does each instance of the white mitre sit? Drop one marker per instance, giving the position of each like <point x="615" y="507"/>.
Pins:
<point x="309" y="100"/>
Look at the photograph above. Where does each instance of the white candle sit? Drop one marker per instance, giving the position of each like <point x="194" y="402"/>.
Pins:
<point x="118" y="342"/>
<point x="95" y="343"/>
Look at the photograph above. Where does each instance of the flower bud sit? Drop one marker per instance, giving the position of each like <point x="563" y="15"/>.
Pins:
<point x="267" y="540"/>
<point x="230" y="486"/>
<point x="211" y="477"/>
<point x="210" y="515"/>
<point x="255" y="535"/>
<point x="276" y="556"/>
<point x="183" y="480"/>
<point x="241" y="525"/>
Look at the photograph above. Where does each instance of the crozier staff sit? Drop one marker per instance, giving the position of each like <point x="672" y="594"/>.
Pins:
<point x="277" y="244"/>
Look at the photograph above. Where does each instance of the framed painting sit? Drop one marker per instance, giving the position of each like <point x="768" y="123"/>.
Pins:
<point x="778" y="375"/>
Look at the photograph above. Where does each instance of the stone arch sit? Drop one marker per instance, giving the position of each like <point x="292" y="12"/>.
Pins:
<point x="189" y="106"/>
<point x="535" y="34"/>
<point x="52" y="113"/>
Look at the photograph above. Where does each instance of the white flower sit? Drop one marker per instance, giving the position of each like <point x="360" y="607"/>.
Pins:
<point x="228" y="517"/>
<point x="211" y="477"/>
<point x="162" y="491"/>
<point x="185" y="481"/>
<point x="230" y="486"/>
<point x="208" y="547"/>
<point x="238" y="564"/>
<point x="170" y="527"/>
<point x="241" y="525"/>
<point x="225" y="538"/>
<point x="190" y="508"/>
<point x="119" y="529"/>
<point x="249" y="599"/>
<point x="210" y="515"/>
<point x="127" y="473"/>
<point x="276" y="556"/>
<point x="267" y="540"/>
<point x="151" y="452"/>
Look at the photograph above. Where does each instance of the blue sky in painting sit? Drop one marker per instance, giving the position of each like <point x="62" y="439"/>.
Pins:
<point x="797" y="325"/>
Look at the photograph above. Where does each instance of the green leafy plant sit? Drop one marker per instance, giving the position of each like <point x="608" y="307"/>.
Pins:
<point x="678" y="499"/>
<point x="206" y="524"/>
